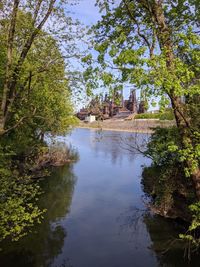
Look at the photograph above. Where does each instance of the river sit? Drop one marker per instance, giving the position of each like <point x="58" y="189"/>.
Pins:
<point x="96" y="213"/>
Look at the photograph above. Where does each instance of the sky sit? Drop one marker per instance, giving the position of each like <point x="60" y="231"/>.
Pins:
<point x="88" y="14"/>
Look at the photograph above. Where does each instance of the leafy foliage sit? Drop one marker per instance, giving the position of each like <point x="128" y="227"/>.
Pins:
<point x="166" y="115"/>
<point x="165" y="181"/>
<point x="18" y="195"/>
<point x="147" y="44"/>
<point x="192" y="235"/>
<point x="35" y="98"/>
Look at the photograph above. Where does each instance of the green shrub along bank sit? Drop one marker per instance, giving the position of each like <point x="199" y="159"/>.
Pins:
<point x="166" y="115"/>
<point x="172" y="192"/>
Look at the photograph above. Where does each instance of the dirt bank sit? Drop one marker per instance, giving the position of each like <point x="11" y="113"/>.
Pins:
<point x="140" y="126"/>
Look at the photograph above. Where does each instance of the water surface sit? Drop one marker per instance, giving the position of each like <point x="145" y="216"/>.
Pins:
<point x="96" y="216"/>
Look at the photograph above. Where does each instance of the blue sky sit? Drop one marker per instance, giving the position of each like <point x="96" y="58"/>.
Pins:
<point x="88" y="14"/>
<point x="86" y="11"/>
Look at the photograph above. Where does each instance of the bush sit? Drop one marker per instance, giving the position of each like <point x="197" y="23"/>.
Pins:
<point x="165" y="180"/>
<point x="166" y="115"/>
<point x="173" y="194"/>
<point x="147" y="116"/>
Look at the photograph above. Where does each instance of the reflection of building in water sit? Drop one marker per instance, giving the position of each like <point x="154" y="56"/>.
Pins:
<point x="113" y="106"/>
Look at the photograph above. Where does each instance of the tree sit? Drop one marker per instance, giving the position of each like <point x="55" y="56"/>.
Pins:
<point x="145" y="40"/>
<point x="35" y="99"/>
<point x="154" y="44"/>
<point x="23" y="32"/>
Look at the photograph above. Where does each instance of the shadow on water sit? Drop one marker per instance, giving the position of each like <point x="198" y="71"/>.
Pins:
<point x="170" y="251"/>
<point x="46" y="240"/>
<point x="163" y="234"/>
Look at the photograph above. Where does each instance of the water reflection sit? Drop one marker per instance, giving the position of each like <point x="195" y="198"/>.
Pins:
<point x="131" y="221"/>
<point x="162" y="234"/>
<point x="46" y="242"/>
<point x="98" y="219"/>
<point x="111" y="145"/>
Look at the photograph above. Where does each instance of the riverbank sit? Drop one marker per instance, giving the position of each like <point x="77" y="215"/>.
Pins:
<point x="135" y="126"/>
<point x="57" y="154"/>
<point x="107" y="179"/>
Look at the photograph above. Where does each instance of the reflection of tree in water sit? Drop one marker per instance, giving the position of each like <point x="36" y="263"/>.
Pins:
<point x="45" y="243"/>
<point x="131" y="221"/>
<point x="162" y="235"/>
<point x="116" y="144"/>
<point x="108" y="144"/>
<point x="165" y="243"/>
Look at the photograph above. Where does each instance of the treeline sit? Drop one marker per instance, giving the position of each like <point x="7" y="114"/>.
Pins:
<point x="35" y="99"/>
<point x="154" y="45"/>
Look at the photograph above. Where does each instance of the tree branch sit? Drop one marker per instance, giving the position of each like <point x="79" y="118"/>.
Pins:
<point x="39" y="2"/>
<point x="150" y="46"/>
<point x="24" y="53"/>
<point x="18" y="123"/>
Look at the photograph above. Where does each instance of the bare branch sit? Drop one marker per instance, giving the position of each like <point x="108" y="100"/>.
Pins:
<point x="39" y="2"/>
<point x="133" y="145"/>
<point x="16" y="125"/>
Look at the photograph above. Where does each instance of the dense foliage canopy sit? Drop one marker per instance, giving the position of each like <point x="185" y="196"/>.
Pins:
<point x="35" y="99"/>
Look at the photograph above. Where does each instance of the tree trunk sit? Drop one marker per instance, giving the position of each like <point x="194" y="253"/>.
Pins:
<point x="10" y="40"/>
<point x="12" y="76"/>
<point x="166" y="45"/>
<point x="196" y="180"/>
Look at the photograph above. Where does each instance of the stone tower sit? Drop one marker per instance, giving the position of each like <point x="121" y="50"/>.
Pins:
<point x="133" y="101"/>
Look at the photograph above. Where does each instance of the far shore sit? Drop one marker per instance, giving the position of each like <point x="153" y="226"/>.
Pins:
<point x="115" y="130"/>
<point x="133" y="126"/>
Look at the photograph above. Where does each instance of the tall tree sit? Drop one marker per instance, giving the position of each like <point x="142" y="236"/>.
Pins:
<point x="146" y="40"/>
<point x="42" y="14"/>
<point x="35" y="98"/>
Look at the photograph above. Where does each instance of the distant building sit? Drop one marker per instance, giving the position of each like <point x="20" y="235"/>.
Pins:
<point x="82" y="114"/>
<point x="107" y="107"/>
<point x="131" y="104"/>
<point x="142" y="107"/>
<point x="90" y="118"/>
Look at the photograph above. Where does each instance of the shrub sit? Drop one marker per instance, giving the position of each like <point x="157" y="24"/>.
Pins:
<point x="166" y="115"/>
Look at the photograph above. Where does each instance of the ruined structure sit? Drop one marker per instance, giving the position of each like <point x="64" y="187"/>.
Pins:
<point x="131" y="104"/>
<point x="114" y="106"/>
<point x="142" y="107"/>
<point x="82" y="114"/>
